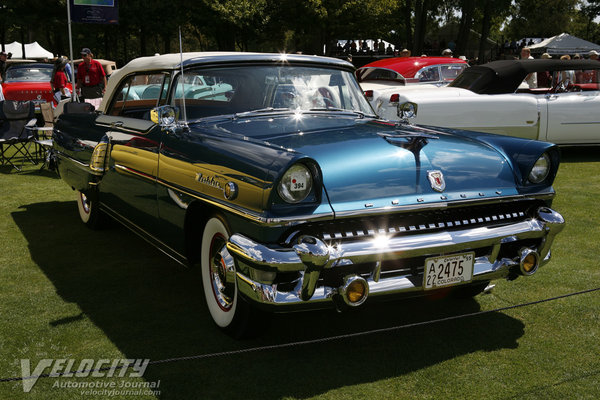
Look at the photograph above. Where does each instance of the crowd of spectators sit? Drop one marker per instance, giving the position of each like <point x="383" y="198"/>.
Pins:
<point x="365" y="47"/>
<point x="510" y="49"/>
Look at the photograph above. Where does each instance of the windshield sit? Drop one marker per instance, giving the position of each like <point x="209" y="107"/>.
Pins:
<point x="230" y="90"/>
<point x="23" y="74"/>
<point x="378" y="74"/>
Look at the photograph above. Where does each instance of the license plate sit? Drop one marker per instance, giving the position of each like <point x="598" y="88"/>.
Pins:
<point x="448" y="270"/>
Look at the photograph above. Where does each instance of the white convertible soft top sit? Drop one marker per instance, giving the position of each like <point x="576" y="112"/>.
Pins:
<point x="151" y="63"/>
<point x="173" y="60"/>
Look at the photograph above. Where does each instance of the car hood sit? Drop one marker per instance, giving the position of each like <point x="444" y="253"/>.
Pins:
<point x="374" y="164"/>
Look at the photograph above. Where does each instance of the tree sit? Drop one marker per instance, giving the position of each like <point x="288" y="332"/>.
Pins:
<point x="467" y="8"/>
<point x="589" y="12"/>
<point x="541" y="18"/>
<point x="493" y="14"/>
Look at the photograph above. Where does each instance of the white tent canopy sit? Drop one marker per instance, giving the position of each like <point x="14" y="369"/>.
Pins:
<point x="564" y="44"/>
<point x="32" y="50"/>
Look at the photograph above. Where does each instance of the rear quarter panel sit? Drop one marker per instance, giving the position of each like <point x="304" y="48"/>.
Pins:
<point x="518" y="115"/>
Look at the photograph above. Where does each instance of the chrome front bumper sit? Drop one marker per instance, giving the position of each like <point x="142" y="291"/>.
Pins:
<point x="310" y="256"/>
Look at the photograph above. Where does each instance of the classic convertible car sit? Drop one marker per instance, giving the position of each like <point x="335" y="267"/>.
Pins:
<point x="289" y="193"/>
<point x="549" y="100"/>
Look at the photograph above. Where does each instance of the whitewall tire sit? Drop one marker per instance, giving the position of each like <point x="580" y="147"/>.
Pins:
<point x="221" y="305"/>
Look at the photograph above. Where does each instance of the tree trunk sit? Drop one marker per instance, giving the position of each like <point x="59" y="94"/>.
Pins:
<point x="421" y="11"/>
<point x="466" y="21"/>
<point x="485" y="31"/>
<point x="408" y="10"/>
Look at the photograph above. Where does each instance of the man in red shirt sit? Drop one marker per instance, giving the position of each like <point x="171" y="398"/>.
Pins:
<point x="91" y="78"/>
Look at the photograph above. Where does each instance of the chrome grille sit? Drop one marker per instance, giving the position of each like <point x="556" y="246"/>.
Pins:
<point x="429" y="220"/>
<point x="328" y="235"/>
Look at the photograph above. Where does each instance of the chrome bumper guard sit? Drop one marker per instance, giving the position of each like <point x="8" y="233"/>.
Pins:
<point x="310" y="255"/>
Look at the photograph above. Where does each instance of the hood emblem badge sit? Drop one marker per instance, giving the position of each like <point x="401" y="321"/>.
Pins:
<point x="436" y="179"/>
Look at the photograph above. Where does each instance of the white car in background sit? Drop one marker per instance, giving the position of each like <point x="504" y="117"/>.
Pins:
<point x="561" y="106"/>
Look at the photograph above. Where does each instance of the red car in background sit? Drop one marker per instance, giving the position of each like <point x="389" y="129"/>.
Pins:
<point x="405" y="70"/>
<point x="382" y="79"/>
<point x="29" y="82"/>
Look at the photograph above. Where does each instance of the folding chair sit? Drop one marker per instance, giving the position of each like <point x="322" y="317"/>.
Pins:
<point x="17" y="131"/>
<point x="43" y="138"/>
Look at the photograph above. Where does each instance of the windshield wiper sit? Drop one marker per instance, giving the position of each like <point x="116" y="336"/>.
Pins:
<point x="261" y="111"/>
<point x="359" y="113"/>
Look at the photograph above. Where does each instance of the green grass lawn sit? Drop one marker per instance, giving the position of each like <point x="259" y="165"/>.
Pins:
<point x="67" y="292"/>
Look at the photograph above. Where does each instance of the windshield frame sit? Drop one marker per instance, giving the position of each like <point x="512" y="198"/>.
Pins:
<point x="262" y="75"/>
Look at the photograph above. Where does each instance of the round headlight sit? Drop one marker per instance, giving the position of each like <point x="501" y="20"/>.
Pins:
<point x="295" y="184"/>
<point x="540" y="169"/>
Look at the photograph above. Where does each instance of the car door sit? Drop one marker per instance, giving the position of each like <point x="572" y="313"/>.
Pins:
<point x="573" y="117"/>
<point x="128" y="189"/>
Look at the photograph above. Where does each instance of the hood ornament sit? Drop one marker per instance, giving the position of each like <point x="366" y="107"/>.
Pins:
<point x="436" y="179"/>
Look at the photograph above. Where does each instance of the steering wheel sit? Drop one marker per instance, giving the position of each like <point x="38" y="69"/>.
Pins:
<point x="561" y="86"/>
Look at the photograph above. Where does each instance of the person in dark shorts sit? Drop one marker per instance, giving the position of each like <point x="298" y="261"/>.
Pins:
<point x="91" y="78"/>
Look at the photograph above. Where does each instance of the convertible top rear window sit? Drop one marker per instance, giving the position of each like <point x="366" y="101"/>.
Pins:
<point x="471" y="79"/>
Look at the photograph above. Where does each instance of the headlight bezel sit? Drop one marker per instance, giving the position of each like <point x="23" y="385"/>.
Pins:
<point x="540" y="170"/>
<point x="297" y="183"/>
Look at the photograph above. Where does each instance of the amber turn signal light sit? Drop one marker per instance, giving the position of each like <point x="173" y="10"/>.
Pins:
<point x="529" y="262"/>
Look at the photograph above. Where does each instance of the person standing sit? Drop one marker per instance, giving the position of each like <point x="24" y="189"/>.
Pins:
<point x="3" y="56"/>
<point x="526" y="54"/>
<point x="59" y="80"/>
<point x="91" y="78"/>
<point x="447" y="53"/>
<point x="530" y="79"/>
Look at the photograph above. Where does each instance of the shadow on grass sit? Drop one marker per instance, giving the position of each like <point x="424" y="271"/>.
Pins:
<point x="580" y="154"/>
<point x="151" y="307"/>
<point x="29" y="169"/>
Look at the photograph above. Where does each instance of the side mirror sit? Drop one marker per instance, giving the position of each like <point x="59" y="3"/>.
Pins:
<point x="165" y="116"/>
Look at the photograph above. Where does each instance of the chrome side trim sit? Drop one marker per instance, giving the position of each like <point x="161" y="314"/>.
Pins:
<point x="135" y="172"/>
<point x="166" y="249"/>
<point x="239" y="211"/>
<point x="245" y="213"/>
<point x="581" y="123"/>
<point x="114" y="125"/>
